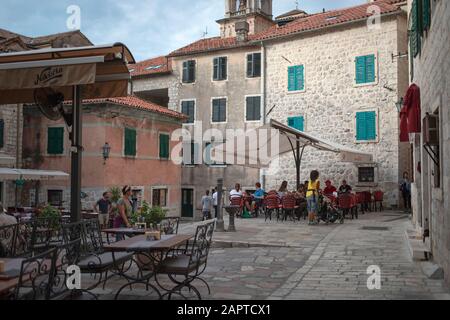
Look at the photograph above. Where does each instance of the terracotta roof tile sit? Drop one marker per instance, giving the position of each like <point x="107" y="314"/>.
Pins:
<point x="137" y="103"/>
<point x="327" y="19"/>
<point x="154" y="66"/>
<point x="302" y="24"/>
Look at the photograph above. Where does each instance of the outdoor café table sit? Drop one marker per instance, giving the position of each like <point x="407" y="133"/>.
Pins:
<point x="129" y="232"/>
<point x="154" y="251"/>
<point x="10" y="278"/>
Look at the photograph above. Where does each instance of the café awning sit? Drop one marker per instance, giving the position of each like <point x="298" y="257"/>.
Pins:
<point x="259" y="147"/>
<point x="11" y="174"/>
<point x="102" y="70"/>
<point x="77" y="73"/>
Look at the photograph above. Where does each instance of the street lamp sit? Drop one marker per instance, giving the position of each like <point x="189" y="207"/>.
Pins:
<point x="106" y="151"/>
<point x="399" y="105"/>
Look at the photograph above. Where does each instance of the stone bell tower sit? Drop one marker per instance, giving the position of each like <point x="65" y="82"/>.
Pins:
<point x="256" y="13"/>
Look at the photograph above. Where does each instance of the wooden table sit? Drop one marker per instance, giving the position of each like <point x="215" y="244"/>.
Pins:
<point x="9" y="283"/>
<point x="153" y="252"/>
<point x="129" y="232"/>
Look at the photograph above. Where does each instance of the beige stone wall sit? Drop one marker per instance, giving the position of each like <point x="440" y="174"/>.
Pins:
<point x="12" y="140"/>
<point x="432" y="75"/>
<point x="169" y="82"/>
<point x="331" y="99"/>
<point x="235" y="89"/>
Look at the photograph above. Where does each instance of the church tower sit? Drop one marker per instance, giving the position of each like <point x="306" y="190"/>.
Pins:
<point x="256" y="13"/>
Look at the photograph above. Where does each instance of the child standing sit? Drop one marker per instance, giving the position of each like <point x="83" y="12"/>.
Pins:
<point x="312" y="196"/>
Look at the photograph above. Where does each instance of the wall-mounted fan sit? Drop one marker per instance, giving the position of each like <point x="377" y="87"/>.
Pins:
<point x="50" y="102"/>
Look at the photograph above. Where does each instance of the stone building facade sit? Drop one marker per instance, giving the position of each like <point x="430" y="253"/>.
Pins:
<point x="331" y="98"/>
<point x="137" y="131"/>
<point x="430" y="71"/>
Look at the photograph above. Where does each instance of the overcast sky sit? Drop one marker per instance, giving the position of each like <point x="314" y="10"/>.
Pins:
<point x="148" y="27"/>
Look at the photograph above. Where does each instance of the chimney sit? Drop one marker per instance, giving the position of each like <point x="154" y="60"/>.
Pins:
<point x="242" y="28"/>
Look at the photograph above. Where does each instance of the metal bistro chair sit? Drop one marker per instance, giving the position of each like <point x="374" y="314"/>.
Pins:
<point x="345" y="201"/>
<point x="93" y="259"/>
<point x="272" y="203"/>
<point x="170" y="225"/>
<point x="378" y="197"/>
<point x="237" y="201"/>
<point x="46" y="234"/>
<point x="36" y="275"/>
<point x="368" y="200"/>
<point x="289" y="207"/>
<point x="189" y="265"/>
<point x="361" y="201"/>
<point x="8" y="236"/>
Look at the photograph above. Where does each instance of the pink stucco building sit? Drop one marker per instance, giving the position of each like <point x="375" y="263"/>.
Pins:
<point x="138" y="133"/>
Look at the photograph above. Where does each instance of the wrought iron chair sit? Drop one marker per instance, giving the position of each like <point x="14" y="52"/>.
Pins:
<point x="289" y="206"/>
<point x="378" y="198"/>
<point x="272" y="205"/>
<point x="345" y="202"/>
<point x="93" y="259"/>
<point x="170" y="225"/>
<point x="237" y="201"/>
<point x="46" y="234"/>
<point x="8" y="236"/>
<point x="36" y="275"/>
<point x="190" y="265"/>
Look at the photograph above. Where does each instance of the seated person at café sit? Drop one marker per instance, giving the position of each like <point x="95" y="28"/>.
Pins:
<point x="329" y="189"/>
<point x="5" y="219"/>
<point x="258" y="196"/>
<point x="246" y="212"/>
<point x="283" y="190"/>
<point x="236" y="192"/>
<point x="345" y="188"/>
<point x="300" y="197"/>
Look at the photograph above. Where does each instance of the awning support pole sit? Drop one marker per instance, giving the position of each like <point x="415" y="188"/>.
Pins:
<point x="77" y="153"/>
<point x="299" y="165"/>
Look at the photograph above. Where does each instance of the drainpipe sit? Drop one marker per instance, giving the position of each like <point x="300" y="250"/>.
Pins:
<point x="17" y="151"/>
<point x="263" y="102"/>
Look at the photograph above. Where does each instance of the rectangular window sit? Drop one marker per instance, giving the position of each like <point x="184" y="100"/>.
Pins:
<point x="188" y="108"/>
<point x="164" y="146"/>
<point x="366" y="126"/>
<point x="220" y="69"/>
<point x="2" y="133"/>
<point x="191" y="152"/>
<point x="296" y="78"/>
<point x="297" y="123"/>
<point x="189" y="71"/>
<point x="366" y="174"/>
<point x="253" y="109"/>
<point x="365" y="69"/>
<point x="254" y="65"/>
<point x="159" y="198"/>
<point x="130" y="142"/>
<point x="219" y="110"/>
<point x="55" y="198"/>
<point x="55" y="141"/>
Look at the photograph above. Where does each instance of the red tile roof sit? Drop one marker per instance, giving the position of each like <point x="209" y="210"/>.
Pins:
<point x="211" y="44"/>
<point x="154" y="66"/>
<point x="135" y="102"/>
<point x="302" y="24"/>
<point x="327" y="19"/>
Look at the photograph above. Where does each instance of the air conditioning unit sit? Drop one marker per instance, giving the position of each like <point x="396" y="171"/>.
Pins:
<point x="431" y="130"/>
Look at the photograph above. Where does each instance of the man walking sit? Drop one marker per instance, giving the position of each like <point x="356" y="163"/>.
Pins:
<point x="206" y="206"/>
<point x="103" y="208"/>
<point x="214" y="196"/>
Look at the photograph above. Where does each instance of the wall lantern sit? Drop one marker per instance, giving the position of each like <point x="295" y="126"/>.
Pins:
<point x="399" y="105"/>
<point x="106" y="151"/>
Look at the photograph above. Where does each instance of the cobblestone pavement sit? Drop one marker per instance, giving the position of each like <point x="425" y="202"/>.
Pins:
<point x="275" y="260"/>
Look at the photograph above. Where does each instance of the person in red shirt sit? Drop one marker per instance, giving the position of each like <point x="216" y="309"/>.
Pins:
<point x="329" y="189"/>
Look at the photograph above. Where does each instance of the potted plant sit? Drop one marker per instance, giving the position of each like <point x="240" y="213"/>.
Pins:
<point x="152" y="216"/>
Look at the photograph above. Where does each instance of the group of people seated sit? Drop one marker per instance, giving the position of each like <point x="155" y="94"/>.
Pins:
<point x="251" y="203"/>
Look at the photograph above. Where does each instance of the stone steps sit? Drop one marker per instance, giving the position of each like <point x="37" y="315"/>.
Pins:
<point x="417" y="248"/>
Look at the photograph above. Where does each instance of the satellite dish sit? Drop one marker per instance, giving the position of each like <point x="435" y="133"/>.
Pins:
<point x="50" y="102"/>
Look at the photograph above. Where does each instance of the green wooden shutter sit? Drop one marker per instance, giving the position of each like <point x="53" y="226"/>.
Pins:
<point x="300" y="74"/>
<point x="223" y="68"/>
<point x="2" y="133"/>
<point x="297" y="123"/>
<point x="361" y="126"/>
<point x="361" y="70"/>
<point x="250" y="65"/>
<point x="415" y="35"/>
<point x="164" y="146"/>
<point x="185" y="72"/>
<point x="257" y="65"/>
<point x="188" y="109"/>
<point x="371" y="127"/>
<point x="292" y="77"/>
<point x="55" y="141"/>
<point x="426" y="10"/>
<point x="366" y="126"/>
<point x="370" y="68"/>
<point x="216" y="69"/>
<point x="130" y="142"/>
<point x="191" y="71"/>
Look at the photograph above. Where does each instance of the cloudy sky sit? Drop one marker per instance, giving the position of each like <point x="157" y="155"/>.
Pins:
<point x="148" y="27"/>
